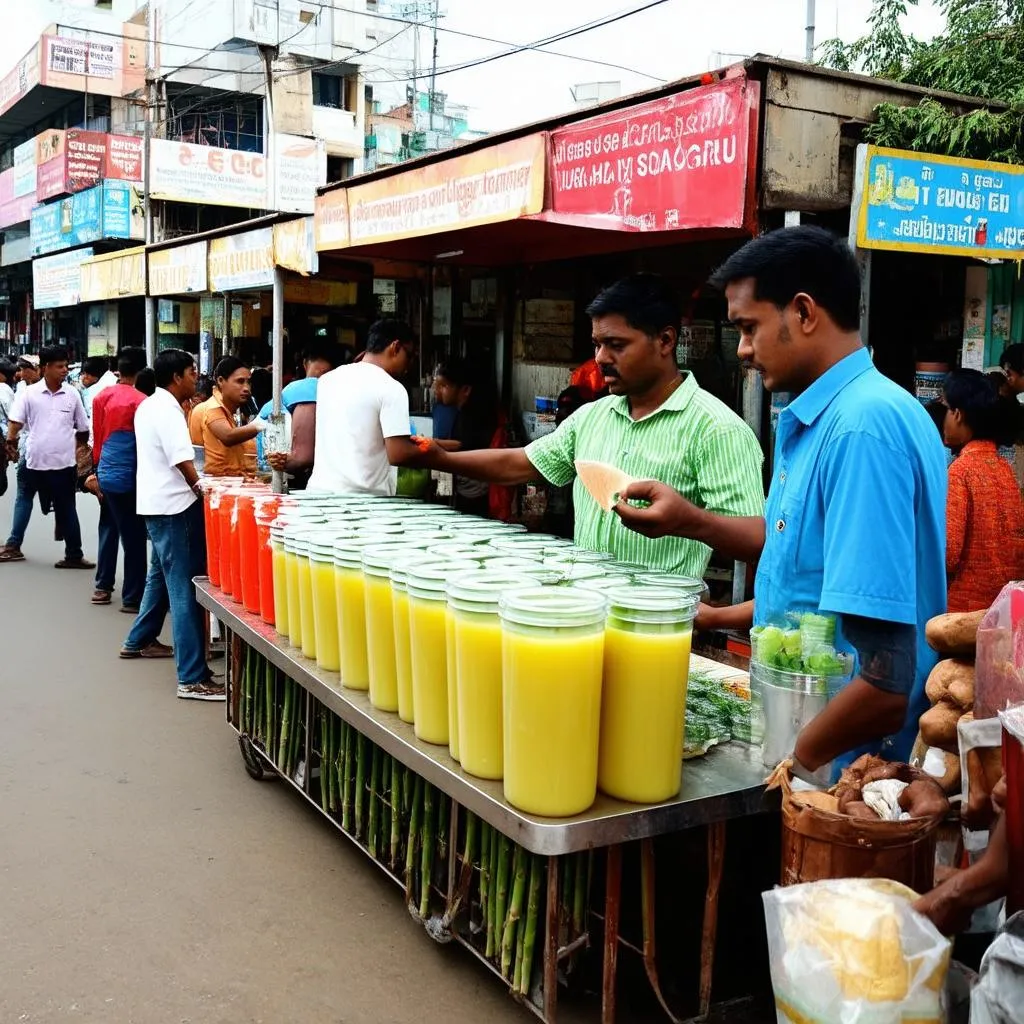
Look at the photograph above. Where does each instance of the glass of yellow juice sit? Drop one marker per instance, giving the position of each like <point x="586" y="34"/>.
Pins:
<point x="552" y="658"/>
<point x="643" y="699"/>
<point x="325" y="598"/>
<point x="280" y="578"/>
<point x="474" y="674"/>
<point x="428" y="635"/>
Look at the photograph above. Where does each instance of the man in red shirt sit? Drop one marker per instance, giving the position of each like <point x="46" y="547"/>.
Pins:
<point x="113" y="425"/>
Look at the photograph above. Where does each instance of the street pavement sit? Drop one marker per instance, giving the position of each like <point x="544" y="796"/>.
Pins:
<point x="146" y="879"/>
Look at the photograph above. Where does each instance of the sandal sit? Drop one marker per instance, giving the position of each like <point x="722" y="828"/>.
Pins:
<point x="74" y="563"/>
<point x="101" y="597"/>
<point x="11" y="555"/>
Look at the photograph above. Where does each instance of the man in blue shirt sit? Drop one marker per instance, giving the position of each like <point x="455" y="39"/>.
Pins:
<point x="855" y="520"/>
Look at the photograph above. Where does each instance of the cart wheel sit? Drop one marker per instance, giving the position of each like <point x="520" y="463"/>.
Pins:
<point x="254" y="764"/>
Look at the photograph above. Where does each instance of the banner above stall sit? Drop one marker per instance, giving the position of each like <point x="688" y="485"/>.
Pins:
<point x="488" y="186"/>
<point x="682" y="162"/>
<point x="923" y="202"/>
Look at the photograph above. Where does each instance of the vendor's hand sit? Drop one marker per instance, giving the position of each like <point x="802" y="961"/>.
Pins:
<point x="945" y="907"/>
<point x="278" y="461"/>
<point x="706" y="617"/>
<point x="669" y="514"/>
<point x="92" y="485"/>
<point x="259" y="424"/>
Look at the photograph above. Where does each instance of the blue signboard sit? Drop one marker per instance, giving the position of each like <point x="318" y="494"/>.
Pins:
<point x="113" y="209"/>
<point x="939" y="204"/>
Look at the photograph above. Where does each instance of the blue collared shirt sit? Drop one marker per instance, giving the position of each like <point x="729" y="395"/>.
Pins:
<point x="855" y="522"/>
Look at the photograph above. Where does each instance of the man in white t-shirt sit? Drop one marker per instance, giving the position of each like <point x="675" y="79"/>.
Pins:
<point x="169" y="497"/>
<point x="362" y="417"/>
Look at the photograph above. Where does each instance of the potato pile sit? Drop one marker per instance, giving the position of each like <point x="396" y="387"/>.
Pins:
<point x="950" y="687"/>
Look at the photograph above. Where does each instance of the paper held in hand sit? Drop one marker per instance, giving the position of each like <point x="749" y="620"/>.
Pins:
<point x="603" y="482"/>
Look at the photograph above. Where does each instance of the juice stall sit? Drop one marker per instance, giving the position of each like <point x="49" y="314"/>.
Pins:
<point x="479" y="743"/>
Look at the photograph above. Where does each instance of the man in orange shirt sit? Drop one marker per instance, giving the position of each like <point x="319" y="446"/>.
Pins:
<point x="229" y="450"/>
<point x="984" y="510"/>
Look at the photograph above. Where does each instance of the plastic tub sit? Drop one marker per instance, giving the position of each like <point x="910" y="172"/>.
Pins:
<point x="643" y="697"/>
<point x="552" y="657"/>
<point x="378" y="561"/>
<point x="456" y="551"/>
<point x="428" y="644"/>
<point x="325" y="599"/>
<point x="688" y="584"/>
<point x="306" y="640"/>
<point x="249" y="550"/>
<point x="350" y="598"/>
<point x="403" y="650"/>
<point x="474" y="675"/>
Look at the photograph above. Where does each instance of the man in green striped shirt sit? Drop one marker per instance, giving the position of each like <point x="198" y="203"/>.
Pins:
<point x="656" y="424"/>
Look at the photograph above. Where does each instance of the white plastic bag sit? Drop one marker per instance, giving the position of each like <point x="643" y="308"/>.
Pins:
<point x="853" y="951"/>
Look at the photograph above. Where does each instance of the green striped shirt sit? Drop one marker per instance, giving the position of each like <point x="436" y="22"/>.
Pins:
<point x="693" y="442"/>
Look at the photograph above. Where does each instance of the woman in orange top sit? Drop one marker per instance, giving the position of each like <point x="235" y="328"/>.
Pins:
<point x="230" y="450"/>
<point x="984" y="512"/>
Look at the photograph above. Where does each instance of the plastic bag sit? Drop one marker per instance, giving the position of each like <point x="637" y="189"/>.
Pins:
<point x="999" y="994"/>
<point x="853" y="951"/>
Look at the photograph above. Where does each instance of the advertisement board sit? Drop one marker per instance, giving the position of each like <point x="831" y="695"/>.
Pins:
<point x="57" y="280"/>
<point x="187" y="173"/>
<point x="179" y="270"/>
<point x="680" y="162"/>
<point x="300" y="169"/>
<point x="114" y="276"/>
<point x="918" y="202"/>
<point x="488" y="186"/>
<point x="113" y="209"/>
<point x="245" y="260"/>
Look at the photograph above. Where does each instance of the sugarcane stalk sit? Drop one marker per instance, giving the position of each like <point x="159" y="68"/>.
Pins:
<point x="427" y="847"/>
<point x="268" y="685"/>
<point x="442" y="828"/>
<point x="504" y="869"/>
<point x="485" y="873"/>
<point x="492" y="891"/>
<point x="410" y="847"/>
<point x="565" y="897"/>
<point x="325" y="765"/>
<point x="396" y="812"/>
<point x="298" y="727"/>
<point x="284" y="741"/>
<point x="515" y="907"/>
<point x="517" y="969"/>
<point x="257" y="701"/>
<point x="530" y="928"/>
<point x="579" y="902"/>
<point x="346" y="779"/>
<point x="246" y="695"/>
<point x="371" y="838"/>
<point x="360" y="783"/>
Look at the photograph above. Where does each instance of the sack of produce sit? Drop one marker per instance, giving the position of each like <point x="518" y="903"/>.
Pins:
<point x="855" y="951"/>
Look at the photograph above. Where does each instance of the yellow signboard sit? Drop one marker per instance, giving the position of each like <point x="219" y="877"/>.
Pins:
<point x="330" y="220"/>
<point x="180" y="270"/>
<point x="114" y="276"/>
<point x="294" y="246"/>
<point x="313" y="291"/>
<point x="245" y="260"/>
<point x="498" y="183"/>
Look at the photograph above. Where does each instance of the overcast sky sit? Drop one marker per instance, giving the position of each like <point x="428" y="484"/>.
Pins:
<point x="675" y="39"/>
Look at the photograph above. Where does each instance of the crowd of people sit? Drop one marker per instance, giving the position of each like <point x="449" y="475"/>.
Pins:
<point x="863" y="518"/>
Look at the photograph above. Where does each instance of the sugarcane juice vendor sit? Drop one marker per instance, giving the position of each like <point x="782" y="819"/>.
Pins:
<point x="655" y="422"/>
<point x="855" y="521"/>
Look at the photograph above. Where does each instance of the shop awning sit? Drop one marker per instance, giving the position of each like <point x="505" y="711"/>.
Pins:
<point x="115" y="275"/>
<point x="674" y="169"/>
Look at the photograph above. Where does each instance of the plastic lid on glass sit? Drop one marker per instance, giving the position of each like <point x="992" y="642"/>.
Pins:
<point x="637" y="602"/>
<point x="348" y="551"/>
<point x="455" y="550"/>
<point x="379" y="558"/>
<point x="577" y="555"/>
<point x="520" y="542"/>
<point x="429" y="579"/>
<point x="481" y="591"/>
<point x="573" y="572"/>
<point x="554" y="607"/>
<point x="656" y="578"/>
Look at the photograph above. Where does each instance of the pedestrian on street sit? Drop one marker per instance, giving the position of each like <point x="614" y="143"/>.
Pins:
<point x="28" y="372"/>
<point x="229" y="450"/>
<point x="52" y="413"/>
<point x="169" y="497"/>
<point x="113" y="423"/>
<point x="96" y="377"/>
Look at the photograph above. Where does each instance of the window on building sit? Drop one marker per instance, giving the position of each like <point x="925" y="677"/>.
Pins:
<point x="328" y="91"/>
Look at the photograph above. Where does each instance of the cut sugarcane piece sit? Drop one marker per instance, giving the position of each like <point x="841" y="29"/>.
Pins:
<point x="346" y="778"/>
<point x="501" y="898"/>
<point x="515" y="908"/>
<point x="416" y="804"/>
<point x="371" y="833"/>
<point x="284" y="741"/>
<point x="604" y="482"/>
<point x="492" y="890"/>
<point x="325" y="765"/>
<point x="396" y="813"/>
<point x="360" y="784"/>
<point x="532" y="915"/>
<point x="427" y="850"/>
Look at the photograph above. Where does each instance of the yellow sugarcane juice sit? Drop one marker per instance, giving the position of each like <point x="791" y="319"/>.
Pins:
<point x="291" y="571"/>
<point x="474" y="675"/>
<point x="643" y="700"/>
<point x="307" y="627"/>
<point x="325" y="598"/>
<point x="280" y="577"/>
<point x="429" y="644"/>
<point x="403" y="650"/>
<point x="552" y="660"/>
<point x="380" y="623"/>
<point x="453" y="685"/>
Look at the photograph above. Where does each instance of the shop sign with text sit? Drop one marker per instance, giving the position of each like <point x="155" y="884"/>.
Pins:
<point x="300" y="169"/>
<point x="180" y="270"/>
<point x="922" y="202"/>
<point x="294" y="246"/>
<point x="75" y="160"/>
<point x="116" y="276"/>
<point x="675" y="163"/>
<point x="244" y="260"/>
<point x="494" y="184"/>
<point x="330" y="220"/>
<point x="113" y="209"/>
<point x="57" y="280"/>
<point x="188" y="173"/>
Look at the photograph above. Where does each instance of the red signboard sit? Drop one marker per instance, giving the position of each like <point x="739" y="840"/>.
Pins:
<point x="685" y="161"/>
<point x="124" y="158"/>
<point x="76" y="160"/>
<point x="85" y="153"/>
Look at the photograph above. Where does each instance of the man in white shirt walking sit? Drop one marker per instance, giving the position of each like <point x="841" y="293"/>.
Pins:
<point x="362" y="417"/>
<point x="169" y="497"/>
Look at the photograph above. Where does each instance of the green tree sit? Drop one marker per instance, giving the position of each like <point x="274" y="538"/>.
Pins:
<point x="979" y="53"/>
